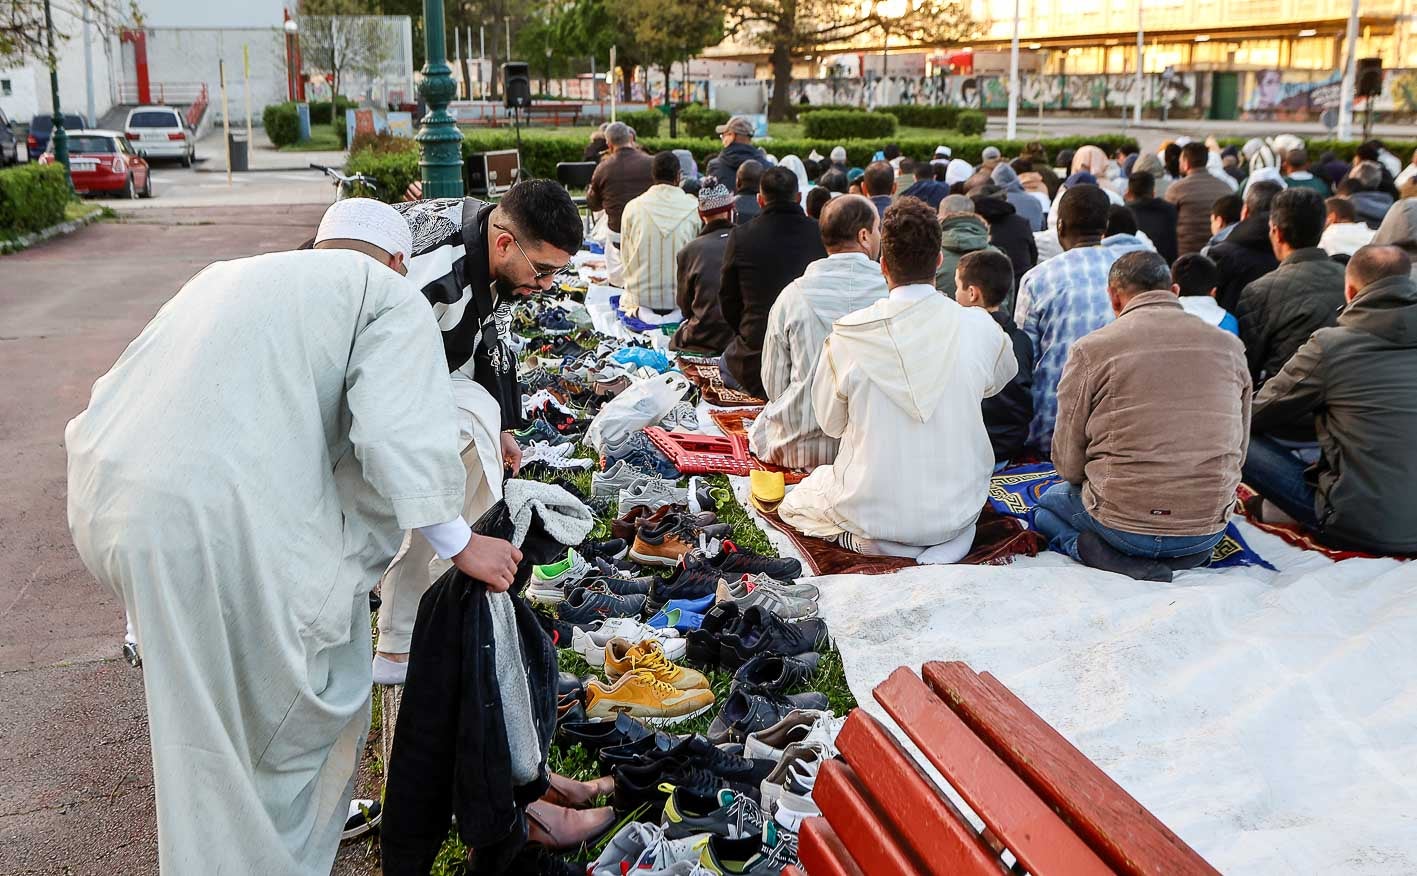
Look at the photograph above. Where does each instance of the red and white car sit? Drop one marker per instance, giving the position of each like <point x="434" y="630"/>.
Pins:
<point x="102" y="161"/>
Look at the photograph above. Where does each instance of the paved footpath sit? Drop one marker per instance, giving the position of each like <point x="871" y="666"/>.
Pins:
<point x="75" y="776"/>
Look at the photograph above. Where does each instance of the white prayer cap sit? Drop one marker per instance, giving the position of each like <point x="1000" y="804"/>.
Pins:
<point x="958" y="170"/>
<point x="1267" y="174"/>
<point x="839" y="154"/>
<point x="944" y="152"/>
<point x="367" y="220"/>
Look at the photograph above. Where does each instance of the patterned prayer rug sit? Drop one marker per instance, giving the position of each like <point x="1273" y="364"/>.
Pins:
<point x="736" y="422"/>
<point x="1015" y="492"/>
<point x="1292" y="532"/>
<point x="704" y="374"/>
<point x="997" y="540"/>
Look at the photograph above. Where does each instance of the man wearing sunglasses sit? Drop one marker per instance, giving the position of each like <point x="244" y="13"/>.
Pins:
<point x="472" y="260"/>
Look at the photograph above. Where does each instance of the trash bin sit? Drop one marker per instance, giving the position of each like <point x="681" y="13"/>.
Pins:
<point x="237" y="148"/>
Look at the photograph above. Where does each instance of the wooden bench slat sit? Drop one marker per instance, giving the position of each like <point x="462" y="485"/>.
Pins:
<point x="855" y="816"/>
<point x="1127" y="836"/>
<point x="821" y="851"/>
<point x="910" y="803"/>
<point x="1009" y="808"/>
<point x="792" y="870"/>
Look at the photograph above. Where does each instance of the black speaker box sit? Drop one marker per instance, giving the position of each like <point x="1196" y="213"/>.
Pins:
<point x="516" y="84"/>
<point x="1370" y="77"/>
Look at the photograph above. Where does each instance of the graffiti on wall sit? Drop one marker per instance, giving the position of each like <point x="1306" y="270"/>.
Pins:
<point x="1094" y="92"/>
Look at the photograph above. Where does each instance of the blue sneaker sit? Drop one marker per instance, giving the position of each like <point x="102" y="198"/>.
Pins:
<point x="678" y="618"/>
<point x="650" y="460"/>
<point x="700" y="605"/>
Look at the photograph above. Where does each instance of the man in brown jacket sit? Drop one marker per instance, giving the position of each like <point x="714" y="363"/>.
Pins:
<point x="1153" y="421"/>
<point x="1194" y="194"/>
<point x="622" y="175"/>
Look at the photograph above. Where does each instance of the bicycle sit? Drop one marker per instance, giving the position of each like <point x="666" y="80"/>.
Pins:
<point x="344" y="185"/>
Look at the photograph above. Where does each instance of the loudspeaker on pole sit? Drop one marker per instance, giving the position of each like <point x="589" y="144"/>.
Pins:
<point x="516" y="84"/>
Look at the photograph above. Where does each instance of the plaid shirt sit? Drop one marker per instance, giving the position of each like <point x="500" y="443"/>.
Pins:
<point x="1059" y="301"/>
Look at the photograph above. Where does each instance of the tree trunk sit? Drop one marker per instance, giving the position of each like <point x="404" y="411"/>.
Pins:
<point x="781" y="61"/>
<point x="627" y="92"/>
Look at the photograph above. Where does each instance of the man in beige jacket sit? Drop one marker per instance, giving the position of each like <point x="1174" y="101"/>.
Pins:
<point x="654" y="227"/>
<point x="1153" y="423"/>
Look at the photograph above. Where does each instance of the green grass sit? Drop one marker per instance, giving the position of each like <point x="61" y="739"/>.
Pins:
<point x="322" y="139"/>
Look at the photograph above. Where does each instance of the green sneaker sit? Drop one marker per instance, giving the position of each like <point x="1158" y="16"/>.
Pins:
<point x="549" y="583"/>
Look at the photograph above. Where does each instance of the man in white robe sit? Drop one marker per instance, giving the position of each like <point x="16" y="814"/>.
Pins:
<point x="240" y="478"/>
<point x="900" y="384"/>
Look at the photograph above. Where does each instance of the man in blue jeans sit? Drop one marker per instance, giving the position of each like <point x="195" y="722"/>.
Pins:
<point x="1149" y="462"/>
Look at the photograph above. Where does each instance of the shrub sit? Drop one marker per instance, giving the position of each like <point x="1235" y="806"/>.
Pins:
<point x="700" y="121"/>
<point x="540" y="153"/>
<point x="645" y="122"/>
<point x="281" y="123"/>
<point x="795" y="111"/>
<point x="923" y="116"/>
<point x="322" y="111"/>
<point x="1342" y="149"/>
<point x="840" y="125"/>
<point x="971" y="123"/>
<point x="32" y="197"/>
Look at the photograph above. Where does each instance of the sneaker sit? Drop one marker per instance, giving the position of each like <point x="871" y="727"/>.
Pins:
<point x="774" y="673"/>
<point x="644" y="850"/>
<point x="638" y="785"/>
<point x="540" y="430"/>
<point x="607" y="485"/>
<point x="724" y="813"/>
<point x="608" y="549"/>
<point x="704" y="647"/>
<point x="653" y="494"/>
<point x="617" y="584"/>
<point x="640" y="694"/>
<point x="797" y="770"/>
<point x="682" y="417"/>
<point x="696" y="749"/>
<point x="733" y="562"/>
<point x="759" y="631"/>
<point x="556" y="456"/>
<point x="582" y="606"/>
<point x="662" y="546"/>
<point x="792" y="809"/>
<point x="549" y="583"/>
<point x="745" y="713"/>
<point x="788" y="602"/>
<point x="554" y="322"/>
<point x="770" y="743"/>
<point x="627" y="525"/>
<point x="671" y="617"/>
<point x="683" y="584"/>
<point x="702" y="497"/>
<point x="590" y="642"/>
<point x="651" y="460"/>
<point x="623" y="656"/>
<point x="364" y="818"/>
<point x="749" y="856"/>
<point x="641" y="752"/>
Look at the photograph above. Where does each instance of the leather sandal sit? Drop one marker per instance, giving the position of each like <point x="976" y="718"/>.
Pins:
<point x="566" y="791"/>
<point x="559" y="828"/>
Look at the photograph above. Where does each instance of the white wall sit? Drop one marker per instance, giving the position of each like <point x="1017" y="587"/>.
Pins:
<point x="29" y="83"/>
<point x="214" y="13"/>
<point x="180" y="55"/>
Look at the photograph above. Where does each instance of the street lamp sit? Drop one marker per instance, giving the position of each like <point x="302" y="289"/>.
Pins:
<point x="60" y="137"/>
<point x="439" y="141"/>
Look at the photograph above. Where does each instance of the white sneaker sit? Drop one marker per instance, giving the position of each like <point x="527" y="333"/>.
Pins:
<point x="672" y="857"/>
<point x="552" y="589"/>
<point x="558" y="457"/>
<point x="653" y="493"/>
<point x="589" y="642"/>
<point x="797" y="770"/>
<point x="771" y="743"/>
<point x="793" y="809"/>
<point x="681" y="417"/>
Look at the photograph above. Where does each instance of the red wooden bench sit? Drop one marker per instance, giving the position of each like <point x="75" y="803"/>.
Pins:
<point x="1040" y="798"/>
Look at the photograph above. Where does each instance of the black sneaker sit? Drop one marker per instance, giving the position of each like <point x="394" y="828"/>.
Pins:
<point x="703" y="647"/>
<point x="745" y="713"/>
<point x="722" y="813"/>
<point x="760" y="631"/>
<point x="617" y="585"/>
<point x="732" y="562"/>
<point x="584" y="606"/>
<point x="636" y="786"/>
<point x="699" y="751"/>
<point x="610" y="549"/>
<point x="685" y="583"/>
<point x="635" y="753"/>
<point x="595" y="735"/>
<point x="774" y="673"/>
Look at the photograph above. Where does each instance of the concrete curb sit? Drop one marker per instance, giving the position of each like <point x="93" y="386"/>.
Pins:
<point x="28" y="240"/>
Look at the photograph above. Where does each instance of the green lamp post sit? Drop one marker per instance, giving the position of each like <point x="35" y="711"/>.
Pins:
<point x="439" y="141"/>
<point x="59" y="136"/>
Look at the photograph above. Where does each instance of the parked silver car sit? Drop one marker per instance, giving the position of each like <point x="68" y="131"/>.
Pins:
<point x="160" y="132"/>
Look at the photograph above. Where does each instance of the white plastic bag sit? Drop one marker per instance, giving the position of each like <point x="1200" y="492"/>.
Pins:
<point x="643" y="404"/>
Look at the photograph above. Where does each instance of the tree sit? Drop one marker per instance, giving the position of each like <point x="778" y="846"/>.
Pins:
<point x="667" y="32"/>
<point x="23" y="34"/>
<point x="593" y="26"/>
<point x="340" y="44"/>
<point x="787" y="27"/>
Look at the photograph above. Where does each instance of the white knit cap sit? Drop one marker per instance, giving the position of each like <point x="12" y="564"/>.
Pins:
<point x="839" y="153"/>
<point x="367" y="220"/>
<point x="959" y="170"/>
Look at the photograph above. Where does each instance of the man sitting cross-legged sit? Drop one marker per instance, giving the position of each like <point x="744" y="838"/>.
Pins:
<point x="848" y="279"/>
<point x="1357" y="383"/>
<point x="984" y="279"/>
<point x="900" y="384"/>
<point x="1153" y="417"/>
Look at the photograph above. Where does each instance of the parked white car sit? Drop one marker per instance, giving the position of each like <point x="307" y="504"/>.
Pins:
<point x="159" y="132"/>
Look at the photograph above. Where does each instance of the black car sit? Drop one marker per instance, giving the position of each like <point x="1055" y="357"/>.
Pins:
<point x="9" y="141"/>
<point x="41" y="125"/>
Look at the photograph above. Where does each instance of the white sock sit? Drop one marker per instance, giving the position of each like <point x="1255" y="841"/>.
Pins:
<point x="388" y="671"/>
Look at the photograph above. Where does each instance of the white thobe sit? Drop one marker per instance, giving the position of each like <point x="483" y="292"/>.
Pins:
<point x="241" y="477"/>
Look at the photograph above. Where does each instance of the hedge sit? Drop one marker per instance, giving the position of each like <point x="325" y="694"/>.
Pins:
<point x="971" y="123"/>
<point x="839" y="125"/>
<point x="700" y="121"/>
<point x="917" y="116"/>
<point x="645" y="123"/>
<point x="540" y="153"/>
<point x="282" y="121"/>
<point x="32" y="197"/>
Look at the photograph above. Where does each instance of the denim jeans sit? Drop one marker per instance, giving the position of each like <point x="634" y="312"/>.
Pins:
<point x="729" y="380"/>
<point x="1062" y="517"/>
<point x="1277" y="473"/>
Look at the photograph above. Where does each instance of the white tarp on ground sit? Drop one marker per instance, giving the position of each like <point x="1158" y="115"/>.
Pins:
<point x="1270" y="719"/>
